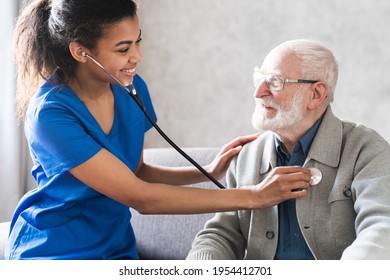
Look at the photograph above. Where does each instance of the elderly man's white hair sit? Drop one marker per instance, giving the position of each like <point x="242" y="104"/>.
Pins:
<point x="318" y="62"/>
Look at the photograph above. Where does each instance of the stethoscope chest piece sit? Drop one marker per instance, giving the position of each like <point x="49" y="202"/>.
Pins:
<point x="316" y="176"/>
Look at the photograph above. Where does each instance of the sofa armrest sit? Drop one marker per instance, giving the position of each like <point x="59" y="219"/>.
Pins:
<point x="4" y="231"/>
<point x="169" y="237"/>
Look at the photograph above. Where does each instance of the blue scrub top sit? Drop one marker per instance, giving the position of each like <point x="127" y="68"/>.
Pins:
<point x="64" y="218"/>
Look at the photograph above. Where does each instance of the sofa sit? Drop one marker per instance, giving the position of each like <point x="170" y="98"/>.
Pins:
<point x="161" y="237"/>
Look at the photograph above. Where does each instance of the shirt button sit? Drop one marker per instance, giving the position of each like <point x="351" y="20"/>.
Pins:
<point x="270" y="234"/>
<point x="296" y="235"/>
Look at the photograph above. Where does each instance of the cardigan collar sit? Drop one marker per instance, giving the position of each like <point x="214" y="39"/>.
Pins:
<point x="325" y="148"/>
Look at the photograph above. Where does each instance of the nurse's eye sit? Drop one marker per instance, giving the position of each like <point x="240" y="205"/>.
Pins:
<point x="124" y="50"/>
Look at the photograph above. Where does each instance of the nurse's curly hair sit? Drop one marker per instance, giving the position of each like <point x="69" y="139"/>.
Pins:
<point x="44" y="30"/>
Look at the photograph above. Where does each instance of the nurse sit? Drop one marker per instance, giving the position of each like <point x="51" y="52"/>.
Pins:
<point x="86" y="138"/>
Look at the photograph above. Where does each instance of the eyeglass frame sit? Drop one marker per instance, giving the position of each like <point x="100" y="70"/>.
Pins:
<point x="284" y="80"/>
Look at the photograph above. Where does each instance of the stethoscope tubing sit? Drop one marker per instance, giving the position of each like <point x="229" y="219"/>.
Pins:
<point x="133" y="94"/>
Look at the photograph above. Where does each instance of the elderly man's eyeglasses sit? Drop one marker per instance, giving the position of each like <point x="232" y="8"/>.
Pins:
<point x="275" y="82"/>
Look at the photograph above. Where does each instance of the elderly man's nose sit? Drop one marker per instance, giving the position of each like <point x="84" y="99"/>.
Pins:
<point x="262" y="89"/>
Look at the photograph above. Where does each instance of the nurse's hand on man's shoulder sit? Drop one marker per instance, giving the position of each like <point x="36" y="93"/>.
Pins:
<point x="221" y="162"/>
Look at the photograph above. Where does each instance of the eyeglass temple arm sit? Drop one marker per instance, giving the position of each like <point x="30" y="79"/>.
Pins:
<point x="300" y="81"/>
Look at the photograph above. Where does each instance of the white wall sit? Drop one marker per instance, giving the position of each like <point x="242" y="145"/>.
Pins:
<point x="199" y="56"/>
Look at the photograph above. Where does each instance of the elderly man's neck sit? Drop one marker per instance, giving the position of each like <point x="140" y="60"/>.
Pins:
<point x="289" y="139"/>
<point x="291" y="135"/>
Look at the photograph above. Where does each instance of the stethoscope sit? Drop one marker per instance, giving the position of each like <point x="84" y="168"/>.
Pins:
<point x="316" y="173"/>
<point x="316" y="176"/>
<point x="133" y="94"/>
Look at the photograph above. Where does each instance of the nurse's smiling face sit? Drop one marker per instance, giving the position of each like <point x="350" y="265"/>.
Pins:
<point x="119" y="51"/>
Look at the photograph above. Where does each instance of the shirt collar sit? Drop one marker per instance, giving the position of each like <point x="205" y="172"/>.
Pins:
<point x="304" y="142"/>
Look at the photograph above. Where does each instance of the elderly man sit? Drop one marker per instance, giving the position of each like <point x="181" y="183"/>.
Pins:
<point x="346" y="214"/>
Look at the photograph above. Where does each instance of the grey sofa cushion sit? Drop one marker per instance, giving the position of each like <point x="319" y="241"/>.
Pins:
<point x="169" y="237"/>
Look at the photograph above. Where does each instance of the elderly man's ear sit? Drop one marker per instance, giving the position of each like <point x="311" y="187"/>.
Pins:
<point x="319" y="92"/>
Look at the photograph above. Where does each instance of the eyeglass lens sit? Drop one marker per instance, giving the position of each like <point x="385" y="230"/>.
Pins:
<point x="274" y="82"/>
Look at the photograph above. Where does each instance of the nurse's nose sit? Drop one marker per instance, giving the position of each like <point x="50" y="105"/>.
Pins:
<point x="135" y="55"/>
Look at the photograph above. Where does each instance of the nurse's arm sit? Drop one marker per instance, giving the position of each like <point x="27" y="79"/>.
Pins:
<point x="189" y="174"/>
<point x="108" y="175"/>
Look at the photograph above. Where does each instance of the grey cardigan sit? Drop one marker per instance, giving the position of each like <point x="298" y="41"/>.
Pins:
<point x="347" y="215"/>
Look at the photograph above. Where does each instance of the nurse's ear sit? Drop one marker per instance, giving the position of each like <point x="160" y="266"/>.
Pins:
<point x="77" y="50"/>
<point x="319" y="92"/>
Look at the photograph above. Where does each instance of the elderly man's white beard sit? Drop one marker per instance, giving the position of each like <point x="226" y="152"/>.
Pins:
<point x="284" y="118"/>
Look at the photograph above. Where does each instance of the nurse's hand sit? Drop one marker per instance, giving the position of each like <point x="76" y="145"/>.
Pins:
<point x="282" y="183"/>
<point x="221" y="162"/>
